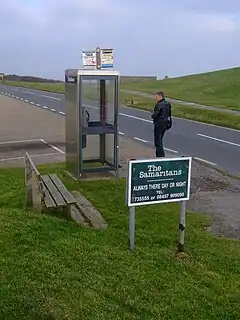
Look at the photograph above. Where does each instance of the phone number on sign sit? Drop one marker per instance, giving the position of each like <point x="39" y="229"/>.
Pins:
<point x="159" y="197"/>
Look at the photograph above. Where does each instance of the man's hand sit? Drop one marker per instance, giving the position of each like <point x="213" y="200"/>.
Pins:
<point x="169" y="124"/>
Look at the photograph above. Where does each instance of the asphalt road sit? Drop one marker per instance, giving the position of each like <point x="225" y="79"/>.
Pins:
<point x="212" y="144"/>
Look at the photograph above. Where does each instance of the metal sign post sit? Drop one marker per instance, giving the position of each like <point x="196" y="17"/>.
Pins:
<point x="155" y="181"/>
<point x="131" y="215"/>
<point x="132" y="228"/>
<point x="182" y="226"/>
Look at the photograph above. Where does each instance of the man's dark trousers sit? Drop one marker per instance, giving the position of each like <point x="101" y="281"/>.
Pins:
<point x="158" y="140"/>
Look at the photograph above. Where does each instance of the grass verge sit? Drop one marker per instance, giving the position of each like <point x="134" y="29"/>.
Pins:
<point x="50" y="87"/>
<point x="186" y="112"/>
<point x="219" y="88"/>
<point x="53" y="269"/>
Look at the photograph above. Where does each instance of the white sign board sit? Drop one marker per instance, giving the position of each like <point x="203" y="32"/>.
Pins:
<point x="89" y="59"/>
<point x="106" y="58"/>
<point x="152" y="181"/>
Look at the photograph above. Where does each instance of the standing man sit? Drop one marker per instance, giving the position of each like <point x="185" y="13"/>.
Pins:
<point x="162" y="120"/>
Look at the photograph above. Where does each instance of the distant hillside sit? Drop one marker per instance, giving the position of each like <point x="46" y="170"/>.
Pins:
<point x="219" y="88"/>
<point x="15" y="77"/>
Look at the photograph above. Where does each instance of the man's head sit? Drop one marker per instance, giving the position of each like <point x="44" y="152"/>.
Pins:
<point x="159" y="95"/>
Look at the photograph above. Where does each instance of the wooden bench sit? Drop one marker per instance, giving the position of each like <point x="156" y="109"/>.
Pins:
<point x="45" y="189"/>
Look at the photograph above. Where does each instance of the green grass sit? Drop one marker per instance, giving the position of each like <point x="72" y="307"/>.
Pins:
<point x="52" y="269"/>
<point x="220" y="88"/>
<point x="186" y="112"/>
<point x="50" y="87"/>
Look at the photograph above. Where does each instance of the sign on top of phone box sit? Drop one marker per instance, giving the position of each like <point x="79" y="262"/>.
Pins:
<point x="106" y="58"/>
<point x="97" y="59"/>
<point x="89" y="59"/>
<point x="160" y="180"/>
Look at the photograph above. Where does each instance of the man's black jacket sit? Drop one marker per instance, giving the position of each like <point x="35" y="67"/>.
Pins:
<point x="162" y="113"/>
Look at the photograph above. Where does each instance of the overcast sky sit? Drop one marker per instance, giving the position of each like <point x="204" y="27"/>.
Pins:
<point x="150" y="37"/>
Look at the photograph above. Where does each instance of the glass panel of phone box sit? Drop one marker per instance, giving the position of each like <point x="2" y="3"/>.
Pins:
<point x="98" y="108"/>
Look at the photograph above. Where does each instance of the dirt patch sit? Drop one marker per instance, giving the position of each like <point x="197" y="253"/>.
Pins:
<point x="208" y="184"/>
<point x="218" y="195"/>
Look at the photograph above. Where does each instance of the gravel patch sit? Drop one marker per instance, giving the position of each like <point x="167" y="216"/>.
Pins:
<point x="216" y="194"/>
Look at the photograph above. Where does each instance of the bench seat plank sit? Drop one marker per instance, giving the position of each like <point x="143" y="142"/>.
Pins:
<point x="53" y="191"/>
<point x="48" y="200"/>
<point x="68" y="197"/>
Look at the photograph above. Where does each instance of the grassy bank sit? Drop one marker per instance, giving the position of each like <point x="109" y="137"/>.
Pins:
<point x="186" y="112"/>
<point x="52" y="269"/>
<point x="50" y="87"/>
<point x="220" y="88"/>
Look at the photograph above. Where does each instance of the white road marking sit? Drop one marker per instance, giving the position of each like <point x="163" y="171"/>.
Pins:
<point x="61" y="112"/>
<point x="53" y="110"/>
<point x="220" y="140"/>
<point x="19" y="141"/>
<point x="206" y="161"/>
<point x="50" y="97"/>
<point x="139" y="139"/>
<point x="133" y="117"/>
<point x="45" y="154"/>
<point x="32" y="155"/>
<point x="29" y="92"/>
<point x="52" y="146"/>
<point x="171" y="150"/>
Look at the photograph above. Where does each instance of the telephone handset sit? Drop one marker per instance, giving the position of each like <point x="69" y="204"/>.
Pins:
<point x="85" y="116"/>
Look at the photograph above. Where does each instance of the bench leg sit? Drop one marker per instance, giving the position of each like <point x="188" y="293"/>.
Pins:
<point x="67" y="211"/>
<point x="28" y="188"/>
<point x="36" y="194"/>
